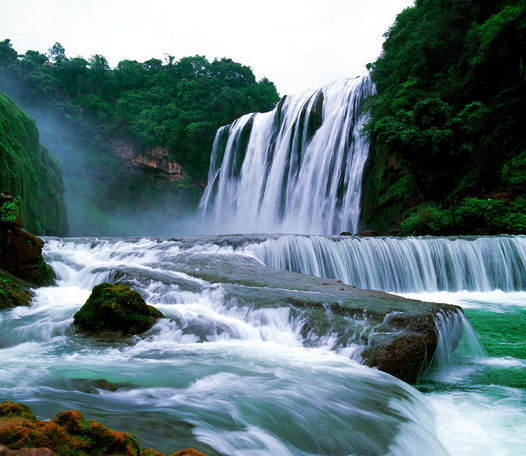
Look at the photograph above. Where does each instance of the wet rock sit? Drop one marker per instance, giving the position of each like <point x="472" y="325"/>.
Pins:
<point x="13" y="292"/>
<point x="21" y="255"/>
<point x="399" y="335"/>
<point x="115" y="307"/>
<point x="368" y="233"/>
<point x="68" y="433"/>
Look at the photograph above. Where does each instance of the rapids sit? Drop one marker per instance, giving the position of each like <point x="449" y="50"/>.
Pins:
<point x="233" y="378"/>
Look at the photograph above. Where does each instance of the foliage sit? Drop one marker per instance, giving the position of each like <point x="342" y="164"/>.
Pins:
<point x="9" y="211"/>
<point x="473" y="215"/>
<point x="29" y="171"/>
<point x="450" y="99"/>
<point x="179" y="104"/>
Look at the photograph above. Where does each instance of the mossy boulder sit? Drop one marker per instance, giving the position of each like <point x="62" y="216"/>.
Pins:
<point x="66" y="434"/>
<point x="115" y="308"/>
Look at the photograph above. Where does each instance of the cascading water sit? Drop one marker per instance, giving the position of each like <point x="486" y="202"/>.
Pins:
<point x="295" y="169"/>
<point x="402" y="264"/>
<point x="238" y="375"/>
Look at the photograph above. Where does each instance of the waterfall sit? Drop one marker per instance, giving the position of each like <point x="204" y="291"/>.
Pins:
<point x="295" y="169"/>
<point x="402" y="264"/>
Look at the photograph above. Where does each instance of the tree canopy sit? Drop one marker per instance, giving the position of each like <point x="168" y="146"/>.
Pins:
<point x="446" y="123"/>
<point x="174" y="103"/>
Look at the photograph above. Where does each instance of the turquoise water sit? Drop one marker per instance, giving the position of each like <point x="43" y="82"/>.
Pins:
<point x="480" y="399"/>
<point x="231" y="379"/>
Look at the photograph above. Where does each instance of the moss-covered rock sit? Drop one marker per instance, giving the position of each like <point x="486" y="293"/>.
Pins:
<point x="68" y="434"/>
<point x="29" y="170"/>
<point x="115" y="307"/>
<point x="13" y="292"/>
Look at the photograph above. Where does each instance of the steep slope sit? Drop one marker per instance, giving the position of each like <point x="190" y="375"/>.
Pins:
<point x="448" y="151"/>
<point x="30" y="171"/>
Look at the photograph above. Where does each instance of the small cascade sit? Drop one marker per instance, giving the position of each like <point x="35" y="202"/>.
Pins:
<point x="295" y="169"/>
<point x="402" y="264"/>
<point x="452" y="330"/>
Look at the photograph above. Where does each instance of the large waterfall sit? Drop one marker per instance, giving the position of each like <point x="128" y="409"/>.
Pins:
<point x="295" y="169"/>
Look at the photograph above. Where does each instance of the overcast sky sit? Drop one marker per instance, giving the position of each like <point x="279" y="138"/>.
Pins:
<point x="297" y="44"/>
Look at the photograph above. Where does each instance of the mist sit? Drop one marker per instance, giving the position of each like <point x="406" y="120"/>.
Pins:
<point x="105" y="195"/>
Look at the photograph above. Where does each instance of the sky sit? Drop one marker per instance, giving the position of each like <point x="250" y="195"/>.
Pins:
<point x="296" y="44"/>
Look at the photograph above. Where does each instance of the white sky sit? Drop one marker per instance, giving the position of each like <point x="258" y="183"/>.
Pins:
<point x="296" y="44"/>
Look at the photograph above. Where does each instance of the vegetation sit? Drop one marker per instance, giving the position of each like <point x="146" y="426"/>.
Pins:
<point x="448" y="147"/>
<point x="82" y="106"/>
<point x="29" y="171"/>
<point x="174" y="103"/>
<point x="115" y="307"/>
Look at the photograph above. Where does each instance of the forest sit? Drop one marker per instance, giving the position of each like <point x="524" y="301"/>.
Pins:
<point x="175" y="103"/>
<point x="448" y="142"/>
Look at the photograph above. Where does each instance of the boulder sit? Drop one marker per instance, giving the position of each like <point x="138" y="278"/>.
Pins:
<point x="66" y="434"/>
<point x="115" y="308"/>
<point x="4" y="451"/>
<point x="367" y="233"/>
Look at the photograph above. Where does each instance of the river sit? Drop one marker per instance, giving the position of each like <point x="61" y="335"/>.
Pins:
<point x="229" y="378"/>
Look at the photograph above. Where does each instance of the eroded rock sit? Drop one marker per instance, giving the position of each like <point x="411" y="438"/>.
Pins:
<point x="21" y="434"/>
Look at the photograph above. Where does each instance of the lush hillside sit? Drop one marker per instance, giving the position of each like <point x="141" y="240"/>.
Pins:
<point x="175" y="103"/>
<point x="134" y="141"/>
<point x="448" y="141"/>
<point x="29" y="171"/>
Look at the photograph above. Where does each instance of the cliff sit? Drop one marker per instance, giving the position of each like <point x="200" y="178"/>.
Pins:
<point x="30" y="171"/>
<point x="154" y="159"/>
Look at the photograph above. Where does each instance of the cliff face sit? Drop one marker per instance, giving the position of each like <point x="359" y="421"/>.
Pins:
<point x="29" y="170"/>
<point x="156" y="159"/>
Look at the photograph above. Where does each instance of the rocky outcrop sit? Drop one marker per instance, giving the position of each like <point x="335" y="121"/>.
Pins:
<point x="398" y="335"/>
<point x="20" y="251"/>
<point x="13" y="291"/>
<point x="66" y="434"/>
<point x="155" y="158"/>
<point x="30" y="171"/>
<point x="115" y="308"/>
<point x="4" y="451"/>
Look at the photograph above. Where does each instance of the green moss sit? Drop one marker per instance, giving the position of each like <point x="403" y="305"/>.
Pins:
<point x="29" y="171"/>
<point x="113" y="307"/>
<point x="12" y="292"/>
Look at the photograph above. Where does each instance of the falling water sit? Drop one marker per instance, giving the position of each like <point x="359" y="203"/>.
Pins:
<point x="295" y="169"/>
<point x="402" y="264"/>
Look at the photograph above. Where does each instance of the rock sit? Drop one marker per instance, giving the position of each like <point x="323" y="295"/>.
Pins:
<point x="188" y="452"/>
<point x="407" y="346"/>
<point x="66" y="434"/>
<point x="4" y="451"/>
<point x="115" y="307"/>
<point x="371" y="233"/>
<point x="21" y="255"/>
<point x="345" y="233"/>
<point x="13" y="292"/>
<point x="399" y="335"/>
<point x="20" y="251"/>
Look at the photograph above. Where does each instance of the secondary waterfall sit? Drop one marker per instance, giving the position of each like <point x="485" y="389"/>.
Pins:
<point x="402" y="264"/>
<point x="295" y="169"/>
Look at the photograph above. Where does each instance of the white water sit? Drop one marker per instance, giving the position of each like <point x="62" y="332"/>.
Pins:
<point x="402" y="264"/>
<point x="239" y="379"/>
<point x="295" y="169"/>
